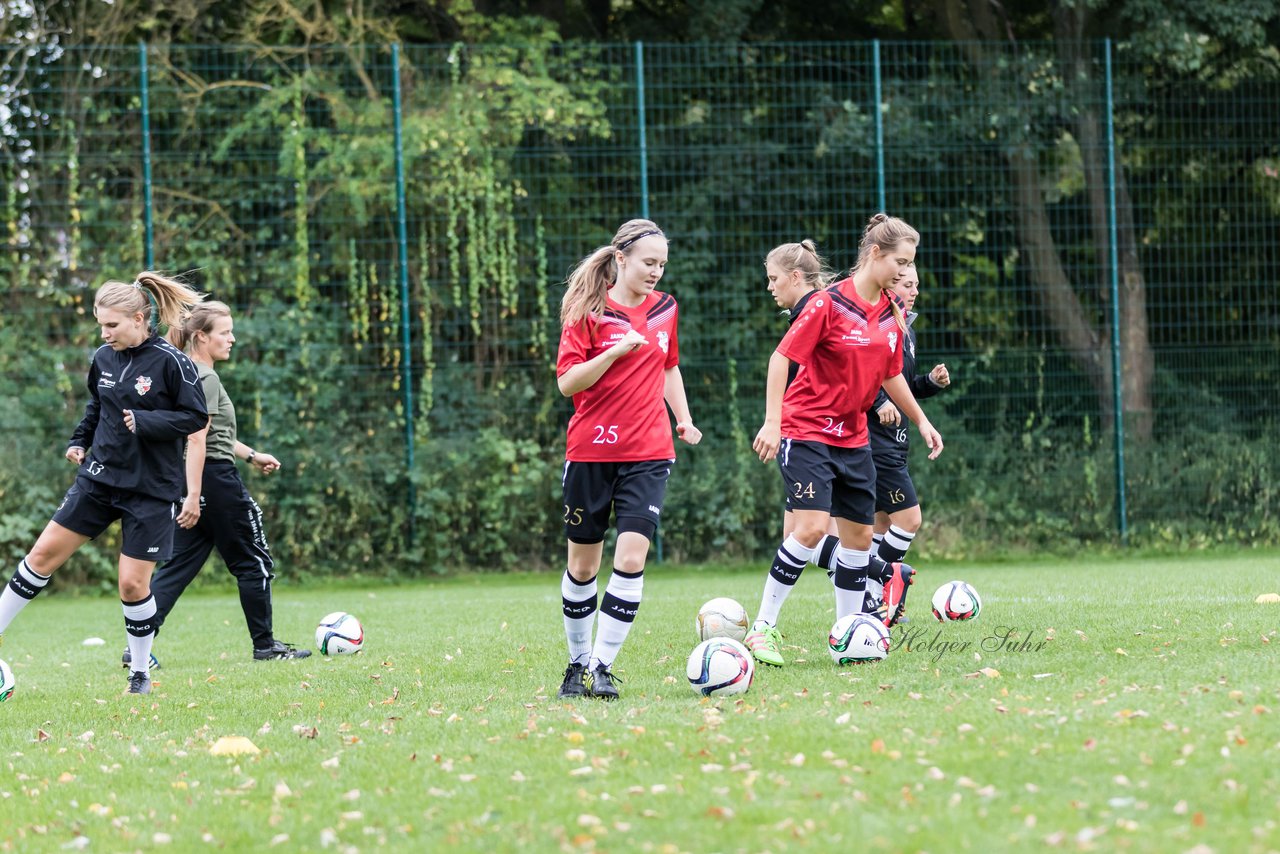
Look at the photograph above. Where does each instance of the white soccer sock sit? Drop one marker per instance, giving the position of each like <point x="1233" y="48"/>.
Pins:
<point x="788" y="563"/>
<point x="851" y="580"/>
<point x="20" y="590"/>
<point x="825" y="554"/>
<point x="578" y="602"/>
<point x="617" y="612"/>
<point x="140" y="631"/>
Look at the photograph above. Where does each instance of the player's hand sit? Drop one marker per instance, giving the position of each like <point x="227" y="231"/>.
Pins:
<point x="889" y="414"/>
<point x="76" y="455"/>
<point x="688" y="433"/>
<point x="190" y="512"/>
<point x="129" y="421"/>
<point x="629" y="343"/>
<point x="932" y="439"/>
<point x="265" y="463"/>
<point x="767" y="441"/>
<point x="940" y="375"/>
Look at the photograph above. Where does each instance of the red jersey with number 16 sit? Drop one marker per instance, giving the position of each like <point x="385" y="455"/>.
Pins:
<point x="623" y="417"/>
<point x="848" y="348"/>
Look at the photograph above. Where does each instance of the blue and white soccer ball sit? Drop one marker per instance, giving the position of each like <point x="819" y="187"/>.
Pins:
<point x="720" y="667"/>
<point x="858" y="639"/>
<point x="955" y="602"/>
<point x="339" y="633"/>
<point x="7" y="682"/>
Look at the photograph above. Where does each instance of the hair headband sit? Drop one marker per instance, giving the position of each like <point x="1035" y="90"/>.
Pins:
<point x="624" y="244"/>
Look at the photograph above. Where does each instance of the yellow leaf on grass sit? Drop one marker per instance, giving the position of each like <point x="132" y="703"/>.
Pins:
<point x="233" y="745"/>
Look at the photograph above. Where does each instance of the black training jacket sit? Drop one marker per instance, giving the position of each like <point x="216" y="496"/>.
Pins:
<point x="161" y="385"/>
<point x="887" y="439"/>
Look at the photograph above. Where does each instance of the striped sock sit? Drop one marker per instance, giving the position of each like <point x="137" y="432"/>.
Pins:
<point x="617" y="612"/>
<point x="25" y="585"/>
<point x="140" y="629"/>
<point x="787" y="565"/>
<point x="578" y="602"/>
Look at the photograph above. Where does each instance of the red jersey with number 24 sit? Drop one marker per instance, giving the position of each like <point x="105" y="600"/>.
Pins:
<point x="848" y="348"/>
<point x="623" y="417"/>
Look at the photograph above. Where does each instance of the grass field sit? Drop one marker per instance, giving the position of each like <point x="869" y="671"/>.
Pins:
<point x="1119" y="705"/>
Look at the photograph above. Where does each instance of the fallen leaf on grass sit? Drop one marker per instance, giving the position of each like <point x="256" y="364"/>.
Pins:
<point x="989" y="672"/>
<point x="233" y="745"/>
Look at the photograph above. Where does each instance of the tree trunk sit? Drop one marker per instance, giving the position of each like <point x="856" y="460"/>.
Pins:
<point x="1137" y="362"/>
<point x="1088" y="345"/>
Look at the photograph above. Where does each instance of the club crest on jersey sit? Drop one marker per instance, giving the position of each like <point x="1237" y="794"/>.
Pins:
<point x="143" y="385"/>
<point x="663" y="341"/>
<point x="893" y="342"/>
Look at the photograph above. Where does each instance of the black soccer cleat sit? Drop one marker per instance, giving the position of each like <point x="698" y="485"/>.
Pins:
<point x="139" y="682"/>
<point x="603" y="684"/>
<point x="573" y="684"/>
<point x="279" y="650"/>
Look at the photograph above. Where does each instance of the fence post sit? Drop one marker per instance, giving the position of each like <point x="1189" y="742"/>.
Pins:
<point x="879" y="114"/>
<point x="1122" y="522"/>
<point x="644" y="193"/>
<point x="402" y="247"/>
<point x="148" y="238"/>
<point x="644" y="144"/>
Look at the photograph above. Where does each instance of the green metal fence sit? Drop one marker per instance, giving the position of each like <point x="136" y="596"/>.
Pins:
<point x="392" y="225"/>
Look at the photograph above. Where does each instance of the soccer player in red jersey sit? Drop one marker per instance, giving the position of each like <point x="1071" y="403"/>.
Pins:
<point x="620" y="362"/>
<point x="848" y="341"/>
<point x="898" y="514"/>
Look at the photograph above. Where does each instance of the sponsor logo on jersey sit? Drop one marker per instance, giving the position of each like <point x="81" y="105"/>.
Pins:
<point x="657" y="511"/>
<point x="893" y="342"/>
<point x="103" y="383"/>
<point x="142" y="385"/>
<point x="858" y="339"/>
<point x="663" y="341"/>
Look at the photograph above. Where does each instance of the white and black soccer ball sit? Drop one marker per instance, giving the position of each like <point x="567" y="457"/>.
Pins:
<point x="7" y="682"/>
<point x="339" y="633"/>
<point x="955" y="602"/>
<point x="720" y="667"/>
<point x="722" y="618"/>
<point x="858" y="639"/>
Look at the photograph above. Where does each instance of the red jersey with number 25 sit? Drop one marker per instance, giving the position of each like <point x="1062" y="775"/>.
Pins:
<point x="848" y="348"/>
<point x="623" y="417"/>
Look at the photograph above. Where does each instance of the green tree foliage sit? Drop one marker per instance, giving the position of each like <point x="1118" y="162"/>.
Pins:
<point x="273" y="177"/>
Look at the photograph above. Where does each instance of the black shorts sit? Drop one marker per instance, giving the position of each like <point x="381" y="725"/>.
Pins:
<point x="839" y="481"/>
<point x="634" y="492"/>
<point x="146" y="524"/>
<point x="894" y="489"/>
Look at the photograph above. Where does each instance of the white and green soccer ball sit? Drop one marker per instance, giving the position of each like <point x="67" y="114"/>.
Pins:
<point x="339" y="633"/>
<point x="7" y="682"/>
<point x="858" y="639"/>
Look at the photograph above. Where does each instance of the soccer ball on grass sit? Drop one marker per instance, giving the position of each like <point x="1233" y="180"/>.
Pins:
<point x="858" y="639"/>
<point x="722" y="618"/>
<point x="7" y="682"/>
<point x="955" y="602"/>
<point x="339" y="633"/>
<point x="720" y="667"/>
